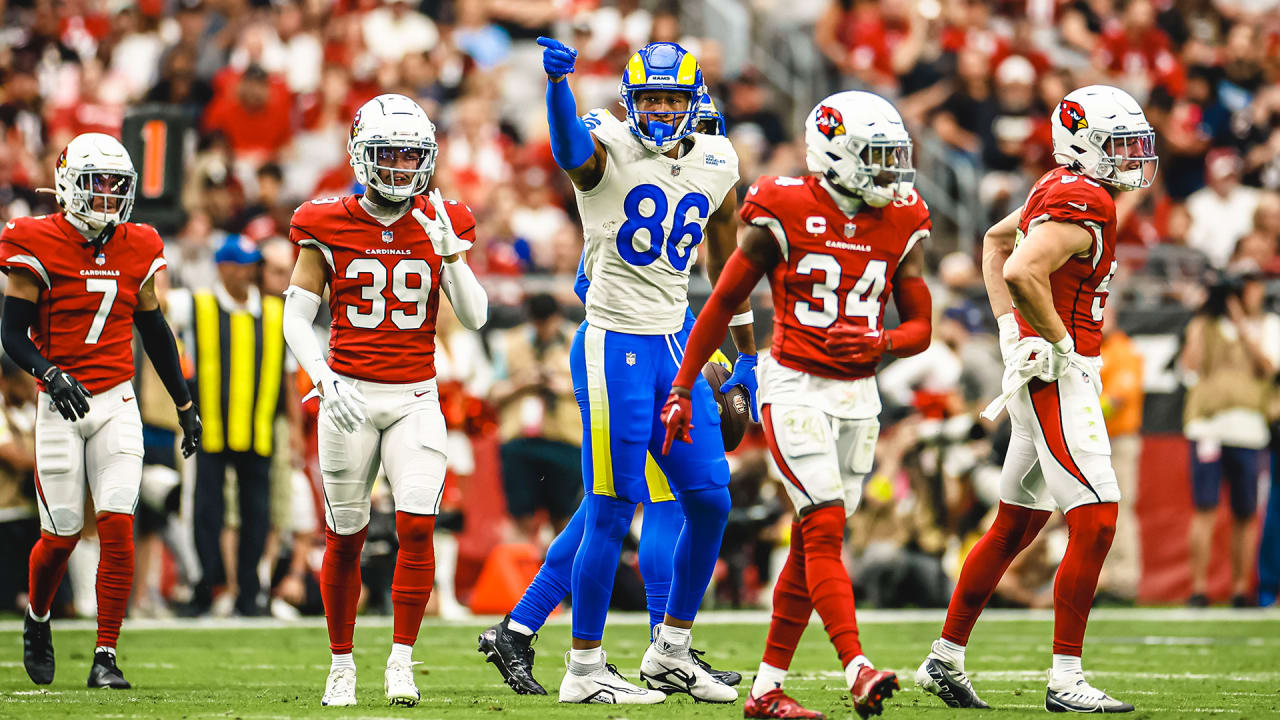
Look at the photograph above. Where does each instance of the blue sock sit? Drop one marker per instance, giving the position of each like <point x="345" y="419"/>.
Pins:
<point x="551" y="583"/>
<point x="706" y="513"/>
<point x="661" y="527"/>
<point x="607" y="521"/>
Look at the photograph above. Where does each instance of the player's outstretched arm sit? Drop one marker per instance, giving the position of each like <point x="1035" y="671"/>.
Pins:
<point x="574" y="148"/>
<point x="1026" y="273"/>
<point x="68" y="395"/>
<point x="722" y="241"/>
<point x="342" y="403"/>
<point x="158" y="343"/>
<point x="756" y="255"/>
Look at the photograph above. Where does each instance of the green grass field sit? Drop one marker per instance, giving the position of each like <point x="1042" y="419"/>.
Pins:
<point x="1168" y="663"/>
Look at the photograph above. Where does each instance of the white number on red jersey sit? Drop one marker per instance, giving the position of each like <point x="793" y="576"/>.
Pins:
<point x="373" y="292"/>
<point x="863" y="300"/>
<point x="1100" y="300"/>
<point x="108" y="288"/>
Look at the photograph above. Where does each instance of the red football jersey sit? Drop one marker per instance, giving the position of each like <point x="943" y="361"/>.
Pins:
<point x="85" y="319"/>
<point x="832" y="265"/>
<point x="384" y="286"/>
<point x="1080" y="285"/>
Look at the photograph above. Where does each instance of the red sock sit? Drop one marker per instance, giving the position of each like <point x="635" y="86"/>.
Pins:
<point x="47" y="566"/>
<point x="340" y="586"/>
<point x="414" y="576"/>
<point x="1090" y="529"/>
<point x="115" y="574"/>
<point x="791" y="606"/>
<point x="830" y="589"/>
<point x="1013" y="530"/>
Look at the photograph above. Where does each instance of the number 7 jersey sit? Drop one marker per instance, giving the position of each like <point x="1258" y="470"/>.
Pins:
<point x="833" y="268"/>
<point x="643" y="223"/>
<point x="384" y="286"/>
<point x="84" y="318"/>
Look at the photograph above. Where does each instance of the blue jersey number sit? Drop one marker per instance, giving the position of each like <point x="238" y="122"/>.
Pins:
<point x="686" y="231"/>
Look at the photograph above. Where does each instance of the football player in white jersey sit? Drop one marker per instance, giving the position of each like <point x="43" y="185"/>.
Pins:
<point x="649" y="191"/>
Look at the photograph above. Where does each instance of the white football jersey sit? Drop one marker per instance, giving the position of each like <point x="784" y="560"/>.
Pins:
<point x="643" y="223"/>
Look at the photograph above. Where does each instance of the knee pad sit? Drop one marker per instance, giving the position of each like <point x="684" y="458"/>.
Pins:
<point x="348" y="518"/>
<point x="1094" y="523"/>
<point x="67" y="520"/>
<point x="414" y="530"/>
<point x="115" y="529"/>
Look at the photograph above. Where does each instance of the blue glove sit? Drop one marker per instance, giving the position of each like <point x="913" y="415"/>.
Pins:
<point x="744" y="374"/>
<point x="558" y="58"/>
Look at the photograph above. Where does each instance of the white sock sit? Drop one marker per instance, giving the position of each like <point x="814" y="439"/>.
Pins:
<point x="677" y="638"/>
<point x="105" y="649"/>
<point x="516" y="627"/>
<point x="39" y="618"/>
<point x="768" y="678"/>
<point x="1064" y="664"/>
<point x="950" y="652"/>
<point x="401" y="653"/>
<point x="851" y="670"/>
<point x="590" y="657"/>
<point x="342" y="661"/>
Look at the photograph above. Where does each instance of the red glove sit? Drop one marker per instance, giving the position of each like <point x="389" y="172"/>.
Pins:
<point x="858" y="344"/>
<point x="677" y="415"/>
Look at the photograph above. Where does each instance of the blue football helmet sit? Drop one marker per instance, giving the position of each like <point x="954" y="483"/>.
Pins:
<point x="662" y="66"/>
<point x="710" y="121"/>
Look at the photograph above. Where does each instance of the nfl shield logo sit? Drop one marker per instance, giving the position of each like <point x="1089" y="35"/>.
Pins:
<point x="388" y="236"/>
<point x="631" y="358"/>
<point x="675" y="170"/>
<point x="850" y="229"/>
<point x="100" y="260"/>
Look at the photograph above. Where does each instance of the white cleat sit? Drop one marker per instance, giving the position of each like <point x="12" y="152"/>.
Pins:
<point x="672" y="669"/>
<point x="604" y="684"/>
<point x="340" y="688"/>
<point x="1070" y="692"/>
<point x="399" y="684"/>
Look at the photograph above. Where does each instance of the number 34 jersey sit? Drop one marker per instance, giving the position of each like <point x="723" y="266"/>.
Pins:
<point x="642" y="224"/>
<point x="384" y="286"/>
<point x="834" y="268"/>
<point x="84" y="322"/>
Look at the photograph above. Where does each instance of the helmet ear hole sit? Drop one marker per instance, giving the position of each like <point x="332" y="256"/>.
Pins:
<point x="833" y="156"/>
<point x="1078" y="149"/>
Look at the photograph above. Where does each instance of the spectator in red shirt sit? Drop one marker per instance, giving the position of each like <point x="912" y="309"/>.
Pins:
<point x="255" y="120"/>
<point x="1138" y="55"/>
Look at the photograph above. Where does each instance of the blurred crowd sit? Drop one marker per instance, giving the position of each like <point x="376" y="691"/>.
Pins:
<point x="265" y="93"/>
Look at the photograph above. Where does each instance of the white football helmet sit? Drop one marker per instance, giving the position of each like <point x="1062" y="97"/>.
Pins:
<point x="1101" y="131"/>
<point x="856" y="140"/>
<point x="391" y="137"/>
<point x="94" y="182"/>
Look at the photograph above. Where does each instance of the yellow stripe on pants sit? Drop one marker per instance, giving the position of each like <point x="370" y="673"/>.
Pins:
<point x="209" y="371"/>
<point x="659" y="486"/>
<point x="241" y="381"/>
<point x="269" y="378"/>
<point x="598" y="402"/>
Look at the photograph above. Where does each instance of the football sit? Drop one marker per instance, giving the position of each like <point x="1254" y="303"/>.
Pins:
<point x="733" y="405"/>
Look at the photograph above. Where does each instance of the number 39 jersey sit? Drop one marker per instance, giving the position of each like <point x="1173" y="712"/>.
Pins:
<point x="384" y="286"/>
<point x="84" y="322"/>
<point x="1080" y="286"/>
<point x="834" y="267"/>
<point x="643" y="223"/>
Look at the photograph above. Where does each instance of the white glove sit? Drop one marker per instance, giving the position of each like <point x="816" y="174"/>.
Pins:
<point x="440" y="230"/>
<point x="344" y="405"/>
<point x="1008" y="325"/>
<point x="1059" y="357"/>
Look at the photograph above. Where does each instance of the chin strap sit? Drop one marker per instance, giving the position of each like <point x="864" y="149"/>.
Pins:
<point x="99" y="241"/>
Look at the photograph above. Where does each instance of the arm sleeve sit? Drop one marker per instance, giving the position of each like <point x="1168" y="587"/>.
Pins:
<point x="915" y="307"/>
<point x="738" y="278"/>
<point x="158" y="342"/>
<point x="571" y="141"/>
<point x="466" y="294"/>
<point x="15" y="323"/>
<point x="300" y="308"/>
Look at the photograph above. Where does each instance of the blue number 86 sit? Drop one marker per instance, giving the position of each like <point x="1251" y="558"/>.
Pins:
<point x="686" y="232"/>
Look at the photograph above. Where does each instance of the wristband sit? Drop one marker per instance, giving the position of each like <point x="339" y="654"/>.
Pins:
<point x="1064" y="346"/>
<point x="742" y="318"/>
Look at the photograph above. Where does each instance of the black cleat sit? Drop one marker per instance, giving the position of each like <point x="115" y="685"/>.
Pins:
<point x="512" y="654"/>
<point x="105" y="674"/>
<point x="728" y="677"/>
<point x="37" y="649"/>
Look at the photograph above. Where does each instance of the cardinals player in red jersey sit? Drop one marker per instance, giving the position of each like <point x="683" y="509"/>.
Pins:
<point x="78" y="281"/>
<point x="833" y="245"/>
<point x="385" y="256"/>
<point x="1052" y="260"/>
